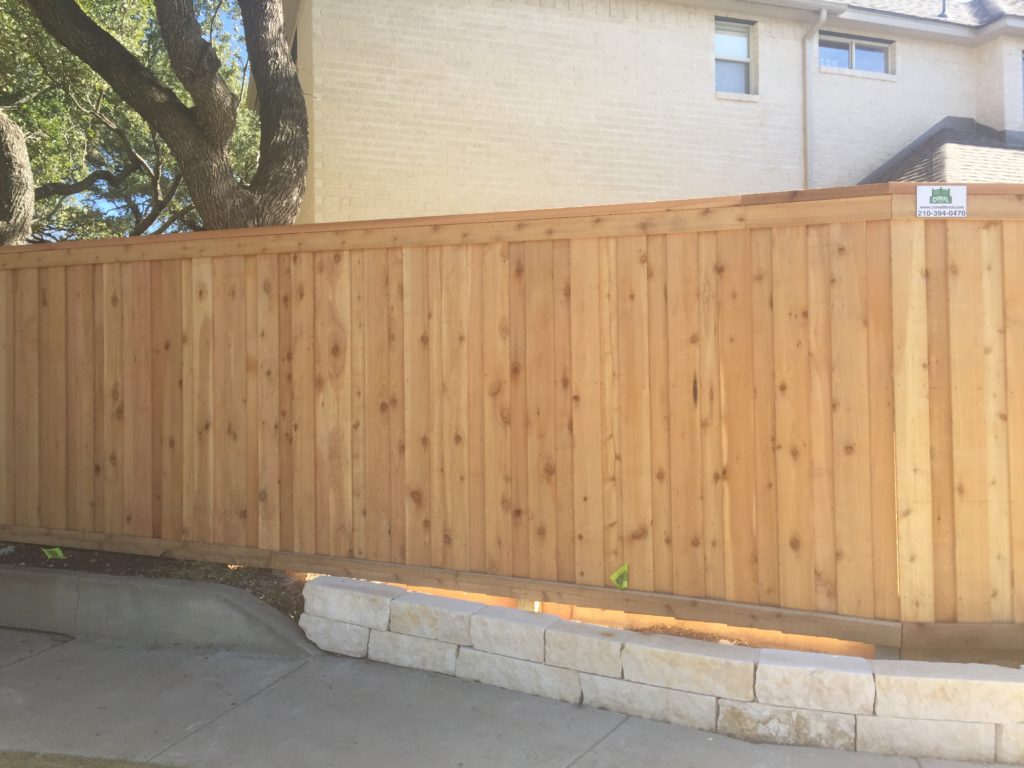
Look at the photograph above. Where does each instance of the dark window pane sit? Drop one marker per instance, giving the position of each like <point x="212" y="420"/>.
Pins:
<point x="832" y="53"/>
<point x="732" y="77"/>
<point x="732" y="43"/>
<point x="872" y="58"/>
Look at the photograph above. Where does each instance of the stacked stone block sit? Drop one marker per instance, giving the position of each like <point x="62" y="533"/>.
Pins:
<point x="917" y="709"/>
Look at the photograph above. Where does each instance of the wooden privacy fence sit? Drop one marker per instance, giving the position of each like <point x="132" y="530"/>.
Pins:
<point x="766" y="406"/>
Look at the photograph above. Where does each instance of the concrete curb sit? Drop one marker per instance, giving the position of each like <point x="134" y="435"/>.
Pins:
<point x="145" y="611"/>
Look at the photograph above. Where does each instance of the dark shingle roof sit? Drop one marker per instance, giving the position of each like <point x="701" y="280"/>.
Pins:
<point x="974" y="13"/>
<point x="957" y="149"/>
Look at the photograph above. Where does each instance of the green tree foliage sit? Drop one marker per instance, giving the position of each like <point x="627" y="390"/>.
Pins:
<point x="100" y="171"/>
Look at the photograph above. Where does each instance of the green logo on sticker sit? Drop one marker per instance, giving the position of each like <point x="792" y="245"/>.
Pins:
<point x="941" y="196"/>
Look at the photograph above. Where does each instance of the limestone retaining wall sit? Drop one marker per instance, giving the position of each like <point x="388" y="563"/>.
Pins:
<point x="917" y="709"/>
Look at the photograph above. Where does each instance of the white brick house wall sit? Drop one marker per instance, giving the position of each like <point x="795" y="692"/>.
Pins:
<point x="454" y="106"/>
<point x="862" y="120"/>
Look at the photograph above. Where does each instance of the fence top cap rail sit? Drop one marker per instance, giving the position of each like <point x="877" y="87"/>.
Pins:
<point x="238" y="241"/>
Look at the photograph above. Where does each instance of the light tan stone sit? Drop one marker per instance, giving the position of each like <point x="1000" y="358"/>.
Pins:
<point x="519" y="675"/>
<point x="585" y="647"/>
<point x="784" y="725"/>
<point x="815" y="681"/>
<point x="980" y="693"/>
<point x="649" y="701"/>
<point x="1010" y="744"/>
<point x="413" y="652"/>
<point x="335" y="636"/>
<point x="438" y="618"/>
<point x="350" y="600"/>
<point x="690" y="665"/>
<point x="926" y="738"/>
<point x="509" y="632"/>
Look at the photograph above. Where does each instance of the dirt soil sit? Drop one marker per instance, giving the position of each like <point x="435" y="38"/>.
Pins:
<point x="692" y="634"/>
<point x="280" y="589"/>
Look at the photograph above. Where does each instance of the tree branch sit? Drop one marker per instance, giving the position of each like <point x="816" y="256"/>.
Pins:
<point x="174" y="218"/>
<point x="284" y="128"/>
<point x="67" y="188"/>
<point x="16" y="201"/>
<point x="126" y="142"/>
<point x="197" y="66"/>
<point x="158" y="206"/>
<point x="133" y="82"/>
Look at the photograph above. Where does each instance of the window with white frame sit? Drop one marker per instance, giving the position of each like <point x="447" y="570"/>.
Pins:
<point x="858" y="53"/>
<point x="734" y="60"/>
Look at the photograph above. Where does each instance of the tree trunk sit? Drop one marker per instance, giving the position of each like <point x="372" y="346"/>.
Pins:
<point x="199" y="135"/>
<point x="17" y="191"/>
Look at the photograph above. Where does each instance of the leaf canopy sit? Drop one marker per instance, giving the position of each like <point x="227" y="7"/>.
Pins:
<point x="78" y="129"/>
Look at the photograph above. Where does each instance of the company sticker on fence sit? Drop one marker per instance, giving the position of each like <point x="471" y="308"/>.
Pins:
<point x="942" y="202"/>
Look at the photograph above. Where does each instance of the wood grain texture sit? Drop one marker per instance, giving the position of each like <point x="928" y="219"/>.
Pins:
<point x="799" y="404"/>
<point x="418" y="393"/>
<point x="1013" y="302"/>
<point x="333" y="369"/>
<point x="969" y="374"/>
<point x="268" y="354"/>
<point x="912" y="427"/>
<point x="735" y="308"/>
<point x="167" y="353"/>
<point x="884" y="546"/>
<point x="635" y="410"/>
<point x="138" y="399"/>
<point x="940" y="414"/>
<point x="496" y="409"/>
<point x="851" y="433"/>
<point x="53" y="406"/>
<point x="197" y="401"/>
<point x="230" y="511"/>
<point x="791" y="330"/>
<point x="684" y="369"/>
<point x="709" y="390"/>
<point x="764" y="437"/>
<point x="820" y="414"/>
<point x="27" y="338"/>
<point x="588" y="496"/>
<point x="659" y="333"/>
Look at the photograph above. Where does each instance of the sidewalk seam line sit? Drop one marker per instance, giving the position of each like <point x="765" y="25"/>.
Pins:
<point x="227" y="711"/>
<point x="625" y="719"/>
<point x="36" y="655"/>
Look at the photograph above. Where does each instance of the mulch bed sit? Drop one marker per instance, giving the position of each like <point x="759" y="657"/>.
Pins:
<point x="280" y="589"/>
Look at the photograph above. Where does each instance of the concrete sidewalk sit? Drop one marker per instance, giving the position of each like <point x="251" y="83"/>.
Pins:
<point x="199" y="708"/>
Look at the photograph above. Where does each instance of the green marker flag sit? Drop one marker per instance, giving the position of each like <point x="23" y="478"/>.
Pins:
<point x="53" y="553"/>
<point x="620" y="578"/>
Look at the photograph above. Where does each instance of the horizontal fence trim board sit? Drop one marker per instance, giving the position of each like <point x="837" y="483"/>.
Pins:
<point x="878" y="202"/>
<point x="966" y="636"/>
<point x="826" y="211"/>
<point x="873" y="631"/>
<point x="661" y="206"/>
<point x="259" y="243"/>
<point x="903" y="191"/>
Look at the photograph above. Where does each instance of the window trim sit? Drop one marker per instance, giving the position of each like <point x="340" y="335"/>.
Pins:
<point x="724" y="23"/>
<point x="851" y="42"/>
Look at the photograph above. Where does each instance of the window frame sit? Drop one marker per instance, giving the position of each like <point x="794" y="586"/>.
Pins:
<point x="852" y="42"/>
<point x="726" y="24"/>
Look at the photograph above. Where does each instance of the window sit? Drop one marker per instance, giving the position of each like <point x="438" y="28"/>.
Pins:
<point x="733" y="58"/>
<point x="850" y="52"/>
